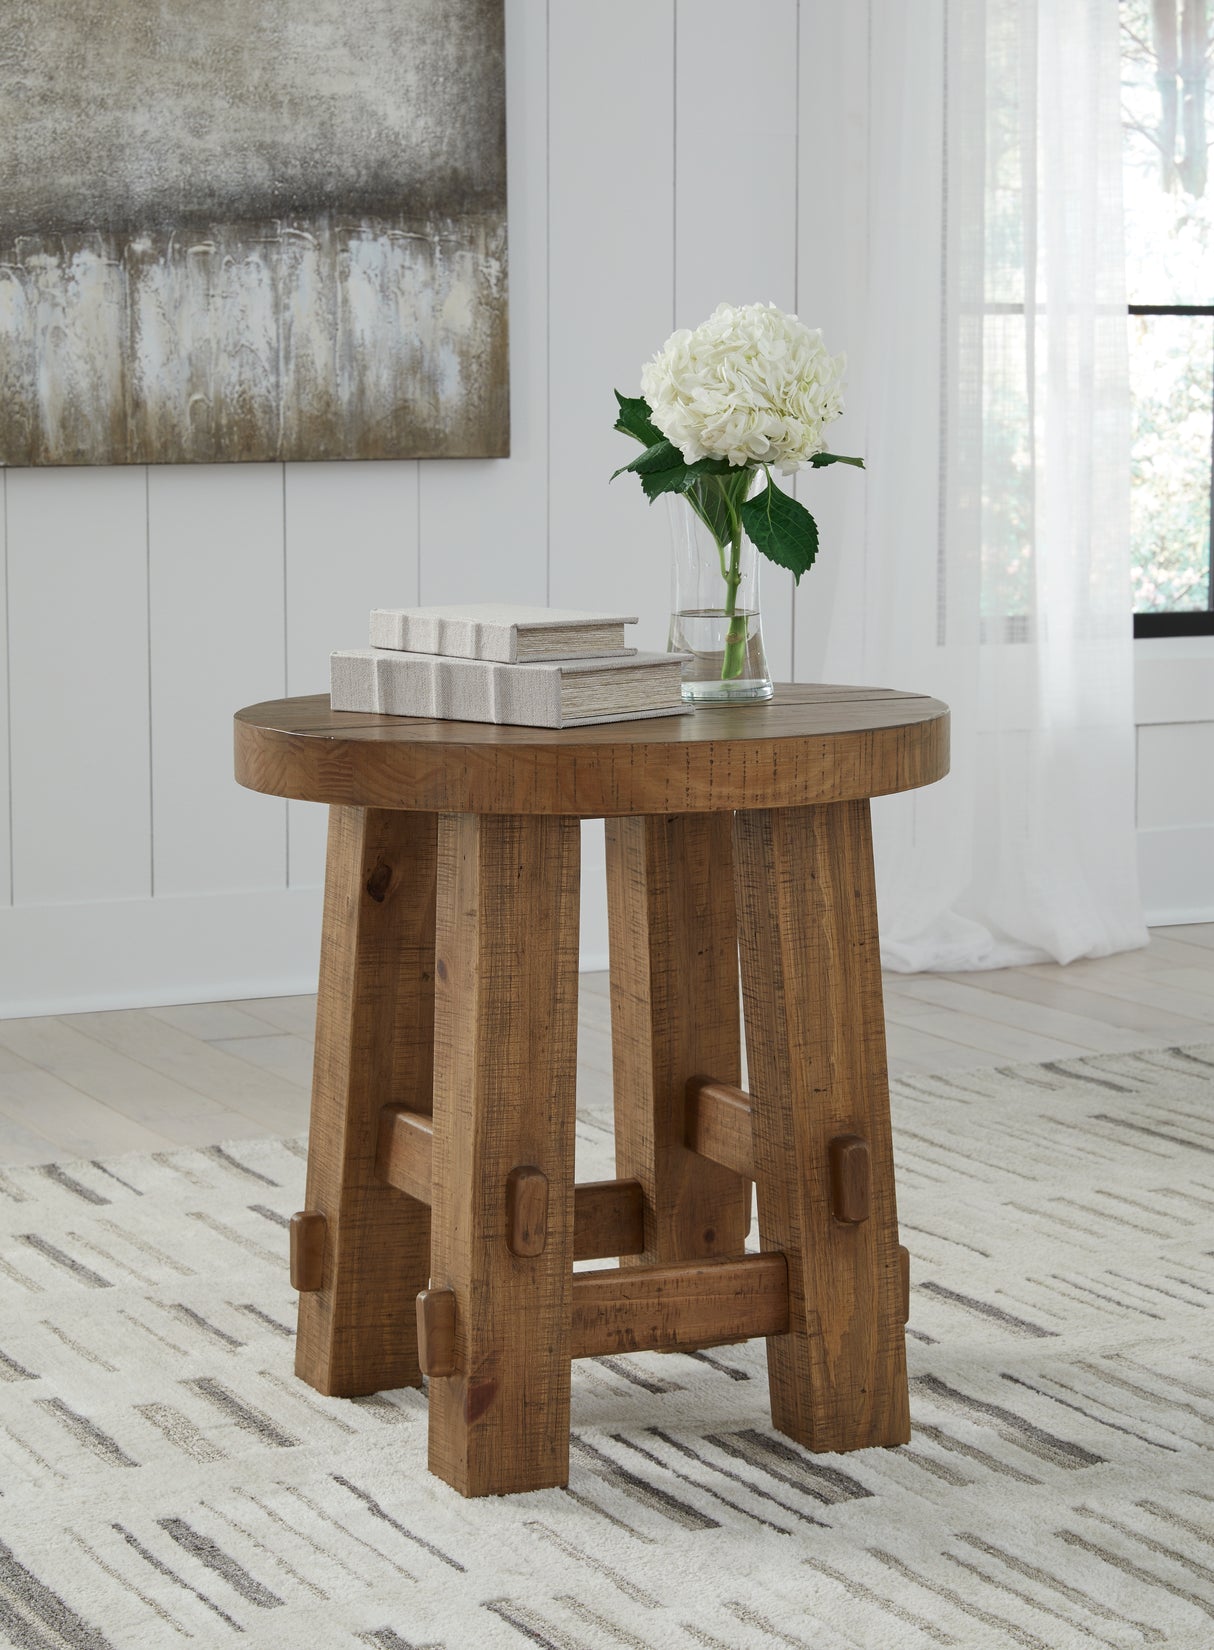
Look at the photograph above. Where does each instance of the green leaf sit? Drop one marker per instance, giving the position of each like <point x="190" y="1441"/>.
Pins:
<point x="636" y="420"/>
<point x="674" y="480"/>
<point x="706" y="496"/>
<point x="702" y="480"/>
<point x="821" y="460"/>
<point x="781" y="529"/>
<point x="663" y="455"/>
<point x="661" y="476"/>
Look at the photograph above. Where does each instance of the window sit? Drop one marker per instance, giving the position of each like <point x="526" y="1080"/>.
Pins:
<point x="1168" y="118"/>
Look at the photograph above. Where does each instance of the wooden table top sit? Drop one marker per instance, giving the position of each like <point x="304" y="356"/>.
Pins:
<point x="808" y="744"/>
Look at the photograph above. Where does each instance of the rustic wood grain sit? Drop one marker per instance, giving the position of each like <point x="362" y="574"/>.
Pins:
<point x="436" y="1332"/>
<point x="851" y="1179"/>
<point x="815" y="1039"/>
<point x="792" y="867"/>
<point x="666" y="1308"/>
<point x="904" y="1281"/>
<point x="374" y="1031"/>
<point x="809" y="744"/>
<point x="645" y="1309"/>
<point x="504" y="1075"/>
<point x="307" y="1250"/>
<point x="526" y="1211"/>
<point x="608" y="1215"/>
<point x="608" y="1219"/>
<point x="674" y="1012"/>
<point x="719" y="1126"/>
<point x="404" y="1157"/>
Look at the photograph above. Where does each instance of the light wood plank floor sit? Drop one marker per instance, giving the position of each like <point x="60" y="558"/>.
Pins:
<point x="142" y="1080"/>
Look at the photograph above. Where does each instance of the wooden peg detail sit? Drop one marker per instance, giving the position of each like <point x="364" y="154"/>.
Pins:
<point x="815" y="1040"/>
<point x="608" y="1215"/>
<point x="851" y="1179"/>
<point x="904" y="1278"/>
<point x="374" y="1039"/>
<point x="526" y="1211"/>
<point x="436" y="1331"/>
<point x="505" y="1070"/>
<point x="307" y="1251"/>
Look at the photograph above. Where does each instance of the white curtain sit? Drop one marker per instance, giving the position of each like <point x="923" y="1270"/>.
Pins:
<point x="995" y="563"/>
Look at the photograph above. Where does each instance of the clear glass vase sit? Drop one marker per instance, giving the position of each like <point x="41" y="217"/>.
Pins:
<point x="728" y="664"/>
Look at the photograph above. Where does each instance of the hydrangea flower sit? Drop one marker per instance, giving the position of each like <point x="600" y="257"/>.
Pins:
<point x="749" y="389"/>
<point x="750" y="384"/>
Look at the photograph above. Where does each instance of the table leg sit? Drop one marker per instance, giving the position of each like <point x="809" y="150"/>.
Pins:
<point x="505" y="1064"/>
<point x="674" y="1015"/>
<point x="815" y="1038"/>
<point x="374" y="1040"/>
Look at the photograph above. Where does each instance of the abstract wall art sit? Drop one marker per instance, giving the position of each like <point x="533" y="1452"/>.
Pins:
<point x="252" y="230"/>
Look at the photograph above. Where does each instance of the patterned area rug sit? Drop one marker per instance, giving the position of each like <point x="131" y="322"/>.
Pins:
<point x="164" y="1478"/>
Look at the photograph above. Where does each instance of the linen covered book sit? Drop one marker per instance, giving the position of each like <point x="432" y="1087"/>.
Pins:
<point x="570" y="694"/>
<point x="501" y="631"/>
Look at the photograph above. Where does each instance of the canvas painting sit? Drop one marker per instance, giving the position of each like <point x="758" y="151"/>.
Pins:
<point x="252" y="230"/>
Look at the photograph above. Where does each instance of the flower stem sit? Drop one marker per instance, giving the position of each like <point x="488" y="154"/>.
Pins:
<point x="718" y="500"/>
<point x="734" y="658"/>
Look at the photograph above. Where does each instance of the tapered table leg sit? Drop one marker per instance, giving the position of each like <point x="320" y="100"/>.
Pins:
<point x="374" y="1037"/>
<point x="815" y="1038"/>
<point x="504" y="1077"/>
<point x="674" y="1015"/>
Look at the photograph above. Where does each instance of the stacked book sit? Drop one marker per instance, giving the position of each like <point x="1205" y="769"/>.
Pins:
<point x="540" y="667"/>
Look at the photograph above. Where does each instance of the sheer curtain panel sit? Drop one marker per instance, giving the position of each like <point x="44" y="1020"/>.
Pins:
<point x="992" y="567"/>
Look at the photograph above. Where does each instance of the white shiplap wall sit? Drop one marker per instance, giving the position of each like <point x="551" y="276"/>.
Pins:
<point x="141" y="607"/>
<point x="144" y="606"/>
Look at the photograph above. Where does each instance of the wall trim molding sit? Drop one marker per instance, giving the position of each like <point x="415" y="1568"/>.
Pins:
<point x="1179" y="919"/>
<point x="88" y="956"/>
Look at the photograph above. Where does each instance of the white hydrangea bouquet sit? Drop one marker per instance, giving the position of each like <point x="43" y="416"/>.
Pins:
<point x="750" y="389"/>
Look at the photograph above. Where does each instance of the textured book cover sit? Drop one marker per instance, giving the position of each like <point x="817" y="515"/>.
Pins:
<point x="573" y="693"/>
<point x="501" y="631"/>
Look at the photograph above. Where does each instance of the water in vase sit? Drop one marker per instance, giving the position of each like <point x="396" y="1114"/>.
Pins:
<point x="709" y="635"/>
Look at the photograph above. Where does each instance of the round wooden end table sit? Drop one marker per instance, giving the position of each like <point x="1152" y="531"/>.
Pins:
<point x="442" y="1219"/>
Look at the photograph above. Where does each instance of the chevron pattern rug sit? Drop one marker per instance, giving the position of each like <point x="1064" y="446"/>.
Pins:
<point x="164" y="1479"/>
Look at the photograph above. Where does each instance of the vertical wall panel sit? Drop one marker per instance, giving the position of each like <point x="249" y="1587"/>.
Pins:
<point x="736" y="197"/>
<point x="484" y="522"/>
<point x="351" y="533"/>
<point x="216" y="561"/>
<point x="78" y="663"/>
<point x="658" y="162"/>
<point x="832" y="293"/>
<point x="6" y="865"/>
<point x="610" y="215"/>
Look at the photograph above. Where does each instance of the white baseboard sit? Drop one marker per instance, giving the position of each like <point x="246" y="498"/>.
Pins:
<point x="104" y="954"/>
<point x="1176" y="874"/>
<point x="100" y="954"/>
<point x="148" y="953"/>
<point x="1178" y="919"/>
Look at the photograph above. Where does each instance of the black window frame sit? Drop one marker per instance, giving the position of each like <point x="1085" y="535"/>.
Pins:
<point x="1193" y="621"/>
